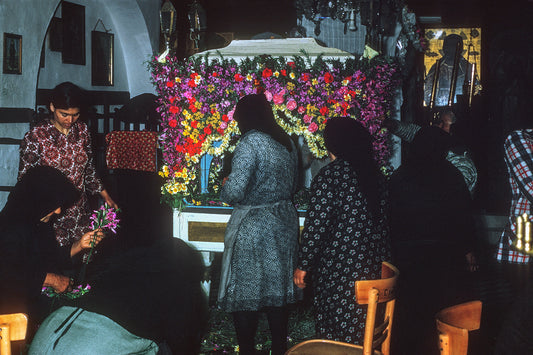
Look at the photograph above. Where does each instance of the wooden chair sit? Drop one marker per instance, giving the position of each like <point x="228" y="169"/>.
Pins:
<point x="12" y="328"/>
<point x="453" y="325"/>
<point x="372" y="293"/>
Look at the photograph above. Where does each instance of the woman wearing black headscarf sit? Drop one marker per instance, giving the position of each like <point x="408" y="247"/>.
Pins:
<point x="30" y="255"/>
<point x="261" y="238"/>
<point x="345" y="236"/>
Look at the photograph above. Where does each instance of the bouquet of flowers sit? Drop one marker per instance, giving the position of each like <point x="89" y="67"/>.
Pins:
<point x="105" y="218"/>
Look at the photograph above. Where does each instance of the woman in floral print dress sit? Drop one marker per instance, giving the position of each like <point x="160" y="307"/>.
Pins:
<point x="345" y="236"/>
<point x="64" y="143"/>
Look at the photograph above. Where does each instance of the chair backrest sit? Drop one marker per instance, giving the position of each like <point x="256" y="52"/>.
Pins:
<point x="453" y="325"/>
<point x="12" y="327"/>
<point x="373" y="292"/>
<point x="322" y="346"/>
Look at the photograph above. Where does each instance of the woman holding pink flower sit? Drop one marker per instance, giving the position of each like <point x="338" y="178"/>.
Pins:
<point x="31" y="258"/>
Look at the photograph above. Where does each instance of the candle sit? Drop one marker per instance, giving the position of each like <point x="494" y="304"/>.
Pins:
<point x="519" y="227"/>
<point x="528" y="232"/>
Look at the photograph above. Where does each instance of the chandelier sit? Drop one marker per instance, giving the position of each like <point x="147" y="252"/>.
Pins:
<point x="377" y="15"/>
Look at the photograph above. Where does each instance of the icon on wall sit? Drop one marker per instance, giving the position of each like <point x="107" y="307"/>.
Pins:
<point x="12" y="54"/>
<point x="452" y="63"/>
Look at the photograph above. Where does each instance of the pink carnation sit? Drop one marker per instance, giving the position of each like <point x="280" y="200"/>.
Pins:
<point x="312" y="127"/>
<point x="223" y="125"/>
<point x="268" y="95"/>
<point x="307" y="119"/>
<point x="291" y="105"/>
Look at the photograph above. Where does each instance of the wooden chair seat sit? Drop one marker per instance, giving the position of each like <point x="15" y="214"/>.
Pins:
<point x="453" y="325"/>
<point x="12" y="328"/>
<point x="326" y="347"/>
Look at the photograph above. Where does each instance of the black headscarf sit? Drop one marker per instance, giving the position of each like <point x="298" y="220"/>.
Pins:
<point x="40" y="191"/>
<point x="429" y="147"/>
<point x="254" y="112"/>
<point x="347" y="139"/>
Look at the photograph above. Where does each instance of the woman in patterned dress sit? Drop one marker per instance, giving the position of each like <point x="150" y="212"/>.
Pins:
<point x="64" y="143"/>
<point x="345" y="236"/>
<point x="261" y="240"/>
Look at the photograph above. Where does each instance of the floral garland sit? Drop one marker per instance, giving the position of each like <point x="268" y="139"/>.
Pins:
<point x="198" y="97"/>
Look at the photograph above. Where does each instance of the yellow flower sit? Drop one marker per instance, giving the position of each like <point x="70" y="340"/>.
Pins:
<point x="292" y="75"/>
<point x="249" y="77"/>
<point x="314" y="81"/>
<point x="210" y="88"/>
<point x="177" y="79"/>
<point x="276" y="73"/>
<point x="290" y="86"/>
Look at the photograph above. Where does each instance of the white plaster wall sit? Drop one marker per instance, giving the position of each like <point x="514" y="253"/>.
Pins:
<point x="29" y="18"/>
<point x="55" y="71"/>
<point x="9" y="156"/>
<point x="133" y="34"/>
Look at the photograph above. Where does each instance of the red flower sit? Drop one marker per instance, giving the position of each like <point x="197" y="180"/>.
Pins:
<point x="194" y="124"/>
<point x="291" y="64"/>
<point x="332" y="101"/>
<point x="193" y="75"/>
<point x="283" y="72"/>
<point x="172" y="99"/>
<point x="213" y="111"/>
<point x="238" y="77"/>
<point x="215" y="74"/>
<point x="225" y="118"/>
<point x="174" y="109"/>
<point x="170" y="84"/>
<point x="172" y="123"/>
<point x="257" y="82"/>
<point x="192" y="100"/>
<point x="328" y="78"/>
<point x="193" y="108"/>
<point x="192" y="84"/>
<point x="305" y="77"/>
<point x="267" y="73"/>
<point x="207" y="130"/>
<point x="220" y="130"/>
<point x="324" y="111"/>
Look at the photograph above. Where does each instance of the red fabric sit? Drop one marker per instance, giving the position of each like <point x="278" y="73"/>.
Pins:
<point x="131" y="150"/>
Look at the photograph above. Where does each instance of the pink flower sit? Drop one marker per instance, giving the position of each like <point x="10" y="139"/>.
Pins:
<point x="278" y="98"/>
<point x="307" y="119"/>
<point x="223" y="125"/>
<point x="312" y="127"/>
<point x="291" y="105"/>
<point x="268" y="95"/>
<point x="301" y="110"/>
<point x="230" y="114"/>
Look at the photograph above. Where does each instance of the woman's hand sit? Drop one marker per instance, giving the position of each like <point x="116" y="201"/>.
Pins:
<point x="298" y="278"/>
<point x="59" y="283"/>
<point x="85" y="241"/>
<point x="108" y="199"/>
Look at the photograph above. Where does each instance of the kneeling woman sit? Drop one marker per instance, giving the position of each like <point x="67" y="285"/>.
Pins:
<point x="31" y="257"/>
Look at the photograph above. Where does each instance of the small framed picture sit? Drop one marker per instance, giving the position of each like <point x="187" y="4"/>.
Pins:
<point x="12" y="54"/>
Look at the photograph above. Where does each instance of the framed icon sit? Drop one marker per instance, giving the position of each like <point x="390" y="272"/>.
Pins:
<point x="12" y="54"/>
<point x="443" y="43"/>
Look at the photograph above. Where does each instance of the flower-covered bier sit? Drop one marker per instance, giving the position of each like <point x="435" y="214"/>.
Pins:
<point x="198" y="96"/>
